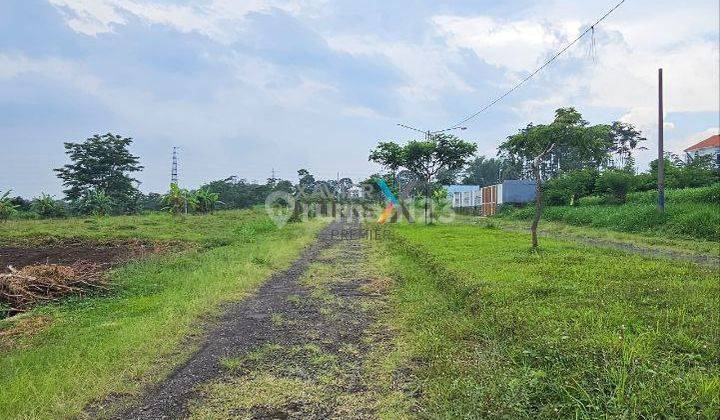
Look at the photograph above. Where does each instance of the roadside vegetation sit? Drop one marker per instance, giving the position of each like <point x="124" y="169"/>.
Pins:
<point x="493" y="329"/>
<point x="60" y="359"/>
<point x="689" y="212"/>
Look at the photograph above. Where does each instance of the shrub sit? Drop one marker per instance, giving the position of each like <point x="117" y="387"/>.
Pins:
<point x="47" y="207"/>
<point x="569" y="187"/>
<point x="615" y="184"/>
<point x="707" y="195"/>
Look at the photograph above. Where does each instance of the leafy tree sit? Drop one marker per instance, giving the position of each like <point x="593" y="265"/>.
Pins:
<point x="178" y="201"/>
<point x="306" y="180"/>
<point x="100" y="163"/>
<point x="47" y="207"/>
<point x="425" y="158"/>
<point x="94" y="202"/>
<point x="625" y="139"/>
<point x="484" y="171"/>
<point x="205" y="200"/>
<point x="565" y="144"/>
<point x="7" y="208"/>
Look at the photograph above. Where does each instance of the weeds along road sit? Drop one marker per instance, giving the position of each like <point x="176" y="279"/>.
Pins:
<point x="301" y="347"/>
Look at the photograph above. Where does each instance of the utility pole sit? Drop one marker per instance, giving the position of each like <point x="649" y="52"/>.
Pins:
<point x="661" y="157"/>
<point x="174" y="172"/>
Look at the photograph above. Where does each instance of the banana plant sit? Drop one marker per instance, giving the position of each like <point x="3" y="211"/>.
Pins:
<point x="7" y="208"/>
<point x="178" y="201"/>
<point x="206" y="200"/>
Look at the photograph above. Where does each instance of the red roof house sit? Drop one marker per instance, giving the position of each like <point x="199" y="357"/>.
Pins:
<point x="709" y="143"/>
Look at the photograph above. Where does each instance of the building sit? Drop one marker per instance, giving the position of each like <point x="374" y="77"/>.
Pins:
<point x="463" y="195"/>
<point x="485" y="200"/>
<point x="708" y="147"/>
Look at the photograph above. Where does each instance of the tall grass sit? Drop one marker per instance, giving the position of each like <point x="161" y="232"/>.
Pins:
<point x="679" y="219"/>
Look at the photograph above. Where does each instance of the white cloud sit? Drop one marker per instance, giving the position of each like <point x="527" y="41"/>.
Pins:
<point x="515" y="45"/>
<point x="61" y="69"/>
<point x="219" y="20"/>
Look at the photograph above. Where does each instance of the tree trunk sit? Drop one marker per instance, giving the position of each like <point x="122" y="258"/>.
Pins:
<point x="538" y="205"/>
<point x="538" y="194"/>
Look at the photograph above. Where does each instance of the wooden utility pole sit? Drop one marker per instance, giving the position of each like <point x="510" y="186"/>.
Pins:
<point x="661" y="157"/>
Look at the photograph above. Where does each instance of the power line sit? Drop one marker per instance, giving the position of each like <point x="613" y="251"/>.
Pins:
<point x="522" y="82"/>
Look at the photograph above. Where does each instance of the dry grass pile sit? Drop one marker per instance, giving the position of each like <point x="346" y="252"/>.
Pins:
<point x="36" y="284"/>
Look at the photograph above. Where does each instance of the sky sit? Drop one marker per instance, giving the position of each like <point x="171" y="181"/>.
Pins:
<point x="247" y="87"/>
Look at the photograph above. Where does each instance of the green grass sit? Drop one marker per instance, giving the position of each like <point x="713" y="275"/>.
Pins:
<point x="220" y="228"/>
<point x="496" y="330"/>
<point x="689" y="220"/>
<point x="650" y="241"/>
<point x="118" y="343"/>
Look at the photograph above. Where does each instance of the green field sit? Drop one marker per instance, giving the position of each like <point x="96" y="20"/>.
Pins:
<point x="493" y="329"/>
<point x="87" y="349"/>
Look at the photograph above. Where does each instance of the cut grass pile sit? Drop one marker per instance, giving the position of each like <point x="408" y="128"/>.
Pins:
<point x="679" y="219"/>
<point x="42" y="283"/>
<point x="101" y="346"/>
<point x="496" y="330"/>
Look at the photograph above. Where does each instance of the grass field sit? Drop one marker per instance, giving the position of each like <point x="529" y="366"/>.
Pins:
<point x="492" y="329"/>
<point x="683" y="220"/>
<point x="84" y="350"/>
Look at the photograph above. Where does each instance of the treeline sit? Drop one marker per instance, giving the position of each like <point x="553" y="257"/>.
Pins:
<point x="98" y="181"/>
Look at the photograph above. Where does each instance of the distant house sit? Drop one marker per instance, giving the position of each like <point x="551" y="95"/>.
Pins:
<point x="708" y="147"/>
<point x="486" y="199"/>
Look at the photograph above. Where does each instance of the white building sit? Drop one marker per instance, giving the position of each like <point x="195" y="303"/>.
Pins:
<point x="708" y="147"/>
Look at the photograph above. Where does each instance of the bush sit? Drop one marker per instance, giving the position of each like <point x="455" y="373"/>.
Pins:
<point x="47" y="207"/>
<point x="706" y="195"/>
<point x="696" y="220"/>
<point x="569" y="187"/>
<point x="615" y="184"/>
<point x="592" y="200"/>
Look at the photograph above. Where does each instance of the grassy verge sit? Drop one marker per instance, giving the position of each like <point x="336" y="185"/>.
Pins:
<point x="495" y="330"/>
<point x="651" y="241"/>
<point x="97" y="347"/>
<point x="682" y="220"/>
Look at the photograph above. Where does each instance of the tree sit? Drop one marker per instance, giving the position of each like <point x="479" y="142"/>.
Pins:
<point x="625" y="139"/>
<point x="7" y="208"/>
<point x="566" y="143"/>
<point x="425" y="158"/>
<point x="100" y="163"/>
<point x="484" y="171"/>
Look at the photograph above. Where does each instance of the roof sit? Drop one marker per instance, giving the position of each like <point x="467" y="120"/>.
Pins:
<point x="461" y="188"/>
<point x="710" y="142"/>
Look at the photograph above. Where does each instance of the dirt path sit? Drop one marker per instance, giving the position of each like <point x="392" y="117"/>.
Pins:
<point x="299" y="348"/>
